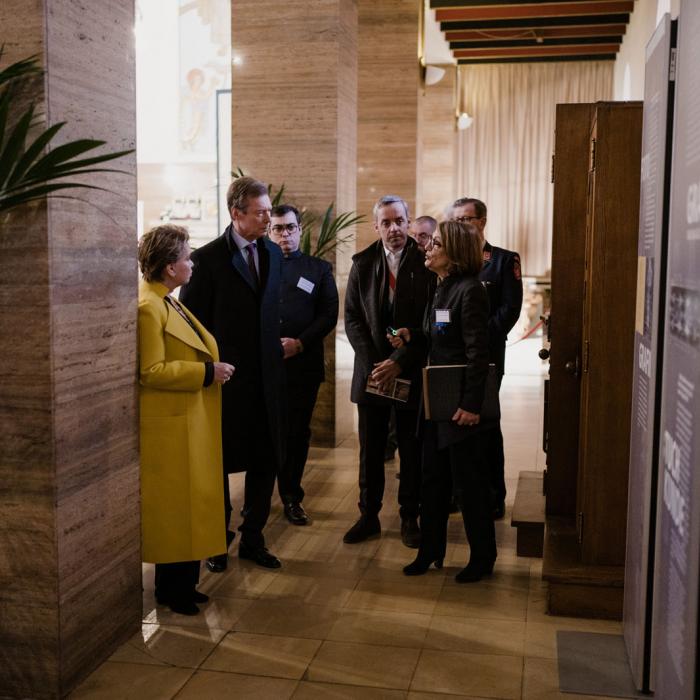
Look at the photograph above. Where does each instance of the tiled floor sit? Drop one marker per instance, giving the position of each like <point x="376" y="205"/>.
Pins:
<point x="341" y="621"/>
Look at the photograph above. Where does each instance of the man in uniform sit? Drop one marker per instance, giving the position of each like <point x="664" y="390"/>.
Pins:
<point x="388" y="286"/>
<point x="501" y="277"/>
<point x="422" y="230"/>
<point x="308" y="313"/>
<point x="234" y="291"/>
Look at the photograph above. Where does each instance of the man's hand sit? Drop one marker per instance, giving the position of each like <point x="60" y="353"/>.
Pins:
<point x="402" y="337"/>
<point x="290" y="347"/>
<point x="385" y="372"/>
<point x="462" y="417"/>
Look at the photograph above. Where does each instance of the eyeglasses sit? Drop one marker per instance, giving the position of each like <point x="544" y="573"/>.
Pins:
<point x="466" y="219"/>
<point x="279" y="229"/>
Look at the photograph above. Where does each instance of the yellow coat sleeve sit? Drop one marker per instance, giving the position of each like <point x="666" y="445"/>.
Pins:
<point x="155" y="369"/>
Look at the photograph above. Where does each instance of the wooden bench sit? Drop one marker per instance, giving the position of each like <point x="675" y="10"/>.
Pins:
<point x="528" y="514"/>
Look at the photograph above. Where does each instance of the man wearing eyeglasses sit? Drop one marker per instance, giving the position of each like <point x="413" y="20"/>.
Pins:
<point x="234" y="291"/>
<point x="388" y="286"/>
<point x="501" y="276"/>
<point x="308" y="313"/>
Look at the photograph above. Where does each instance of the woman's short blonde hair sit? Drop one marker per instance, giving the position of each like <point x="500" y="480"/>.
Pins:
<point x="160" y="247"/>
<point x="463" y="247"/>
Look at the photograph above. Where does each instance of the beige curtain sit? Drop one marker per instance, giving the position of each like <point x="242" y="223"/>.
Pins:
<point x="505" y="156"/>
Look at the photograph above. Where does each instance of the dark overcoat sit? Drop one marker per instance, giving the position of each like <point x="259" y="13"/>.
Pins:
<point x="463" y="340"/>
<point x="245" y="322"/>
<point x="367" y="316"/>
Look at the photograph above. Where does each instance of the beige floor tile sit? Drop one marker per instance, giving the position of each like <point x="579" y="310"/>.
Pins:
<point x="185" y="647"/>
<point x="310" y="589"/>
<point x="393" y="596"/>
<point x="262" y="655"/>
<point x="414" y="695"/>
<point x="483" y="675"/>
<point x="237" y="582"/>
<point x="218" y="613"/>
<point x="382" y="628"/>
<point x="476" y="636"/>
<point x="541" y="637"/>
<point x="481" y="601"/>
<point x="507" y="576"/>
<point x="127" y="681"/>
<point x="336" y="691"/>
<point x="212" y="685"/>
<point x="541" y="682"/>
<point x="364" y="664"/>
<point x="285" y="618"/>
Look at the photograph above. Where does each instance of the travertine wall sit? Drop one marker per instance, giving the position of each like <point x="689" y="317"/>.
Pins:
<point x="437" y="147"/>
<point x="294" y="102"/>
<point x="70" y="586"/>
<point x="387" y="105"/>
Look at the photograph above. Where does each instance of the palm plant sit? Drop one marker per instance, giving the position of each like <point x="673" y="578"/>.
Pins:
<point x="328" y="237"/>
<point x="27" y="170"/>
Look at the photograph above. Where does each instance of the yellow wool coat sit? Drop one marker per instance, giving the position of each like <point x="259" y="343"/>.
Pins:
<point x="182" y="498"/>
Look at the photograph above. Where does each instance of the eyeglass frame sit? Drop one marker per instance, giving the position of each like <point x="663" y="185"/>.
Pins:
<point x="290" y="229"/>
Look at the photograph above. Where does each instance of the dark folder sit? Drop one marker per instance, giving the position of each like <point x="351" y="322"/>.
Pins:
<point x="442" y="391"/>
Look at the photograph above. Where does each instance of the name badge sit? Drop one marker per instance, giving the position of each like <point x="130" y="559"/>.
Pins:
<point x="305" y="285"/>
<point x="442" y="315"/>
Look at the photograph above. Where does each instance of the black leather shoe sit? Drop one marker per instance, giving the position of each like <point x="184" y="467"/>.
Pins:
<point x="295" y="513"/>
<point x="198" y="597"/>
<point x="366" y="527"/>
<point x="410" y="532"/>
<point x="474" y="571"/>
<point x="218" y="563"/>
<point x="260" y="555"/>
<point x="420" y="566"/>
<point x="183" y="607"/>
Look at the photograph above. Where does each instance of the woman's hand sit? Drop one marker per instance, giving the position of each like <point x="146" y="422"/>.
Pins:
<point x="402" y="337"/>
<point x="223" y="372"/>
<point x="462" y="417"/>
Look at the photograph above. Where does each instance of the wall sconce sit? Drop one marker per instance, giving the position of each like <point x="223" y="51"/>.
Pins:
<point x="433" y="75"/>
<point x="464" y="121"/>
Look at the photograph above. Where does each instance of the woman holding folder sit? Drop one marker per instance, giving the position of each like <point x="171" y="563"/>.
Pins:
<point x="453" y="449"/>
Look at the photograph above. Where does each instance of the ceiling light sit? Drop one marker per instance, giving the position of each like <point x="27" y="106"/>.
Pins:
<point x="464" y="121"/>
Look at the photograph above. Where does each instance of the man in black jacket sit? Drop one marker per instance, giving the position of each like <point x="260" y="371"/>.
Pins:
<point x="501" y="277"/>
<point x="234" y="291"/>
<point x="308" y="313"/>
<point x="388" y="286"/>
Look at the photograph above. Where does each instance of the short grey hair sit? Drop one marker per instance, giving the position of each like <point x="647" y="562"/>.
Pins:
<point x="389" y="199"/>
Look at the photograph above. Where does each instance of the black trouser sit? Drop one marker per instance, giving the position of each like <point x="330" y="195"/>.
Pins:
<point x="301" y="401"/>
<point x="460" y="469"/>
<point x="176" y="581"/>
<point x="259" y="485"/>
<point x="373" y="430"/>
<point x="495" y="458"/>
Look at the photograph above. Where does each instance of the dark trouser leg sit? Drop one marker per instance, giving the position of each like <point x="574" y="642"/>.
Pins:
<point x="259" y="486"/>
<point x="228" y="508"/>
<point x="301" y="402"/>
<point x="436" y="491"/>
<point x="470" y="474"/>
<point x="177" y="580"/>
<point x="496" y="463"/>
<point x="373" y="426"/>
<point x="409" y="454"/>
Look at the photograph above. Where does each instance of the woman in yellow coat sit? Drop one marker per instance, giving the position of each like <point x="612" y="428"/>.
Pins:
<point x="182" y="496"/>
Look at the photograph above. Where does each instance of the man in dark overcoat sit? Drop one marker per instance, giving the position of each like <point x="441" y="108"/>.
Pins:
<point x="234" y="291"/>
<point x="501" y="276"/>
<point x="388" y="286"/>
<point x="308" y="313"/>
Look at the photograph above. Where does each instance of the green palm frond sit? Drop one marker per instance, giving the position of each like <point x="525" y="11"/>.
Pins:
<point x="27" y="169"/>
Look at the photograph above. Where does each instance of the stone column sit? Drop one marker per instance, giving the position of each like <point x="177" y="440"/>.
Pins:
<point x="436" y="187"/>
<point x="70" y="574"/>
<point x="387" y="105"/>
<point x="294" y="107"/>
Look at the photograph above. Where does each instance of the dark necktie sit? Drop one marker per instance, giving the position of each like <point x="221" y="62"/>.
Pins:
<point x="250" y="252"/>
